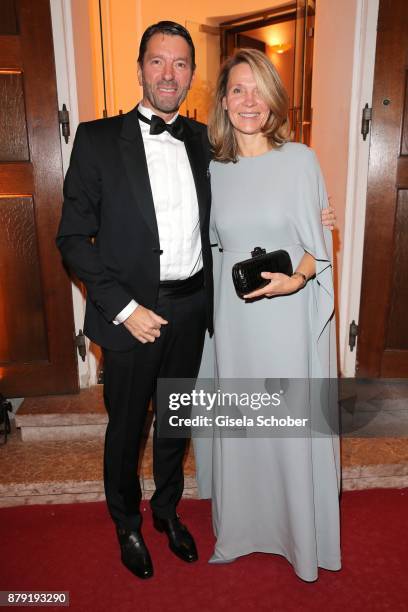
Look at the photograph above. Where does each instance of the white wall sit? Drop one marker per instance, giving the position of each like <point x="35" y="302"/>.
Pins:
<point x="359" y="150"/>
<point x="75" y="89"/>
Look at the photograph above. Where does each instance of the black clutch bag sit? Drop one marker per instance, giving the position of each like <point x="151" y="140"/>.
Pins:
<point x="246" y="274"/>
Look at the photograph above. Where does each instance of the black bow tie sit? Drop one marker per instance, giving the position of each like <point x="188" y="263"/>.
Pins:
<point x="158" y="126"/>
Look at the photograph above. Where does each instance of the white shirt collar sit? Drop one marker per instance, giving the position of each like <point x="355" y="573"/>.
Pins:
<point x="148" y="113"/>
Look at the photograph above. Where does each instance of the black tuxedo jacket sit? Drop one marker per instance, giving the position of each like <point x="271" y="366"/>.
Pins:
<point x="108" y="233"/>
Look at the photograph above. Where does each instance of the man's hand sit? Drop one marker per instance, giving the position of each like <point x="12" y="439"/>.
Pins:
<point x="329" y="217"/>
<point x="144" y="324"/>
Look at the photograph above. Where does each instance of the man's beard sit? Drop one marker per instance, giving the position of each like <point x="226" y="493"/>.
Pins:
<point x="163" y="105"/>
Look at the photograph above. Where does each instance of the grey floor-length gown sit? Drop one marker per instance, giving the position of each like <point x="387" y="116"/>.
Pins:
<point x="274" y="495"/>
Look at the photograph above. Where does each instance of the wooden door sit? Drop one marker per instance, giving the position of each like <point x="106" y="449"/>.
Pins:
<point x="382" y="349"/>
<point x="37" y="352"/>
<point x="239" y="32"/>
<point x="301" y="113"/>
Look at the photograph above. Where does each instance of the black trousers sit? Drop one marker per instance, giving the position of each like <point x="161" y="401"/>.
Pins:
<point x="129" y="383"/>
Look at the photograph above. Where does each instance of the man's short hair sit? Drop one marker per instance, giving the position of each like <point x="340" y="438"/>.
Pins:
<point x="169" y="28"/>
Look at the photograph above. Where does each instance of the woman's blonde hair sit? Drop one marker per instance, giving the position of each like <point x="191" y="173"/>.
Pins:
<point x="276" y="128"/>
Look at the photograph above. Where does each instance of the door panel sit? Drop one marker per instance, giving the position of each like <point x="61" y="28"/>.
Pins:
<point x="20" y="260"/>
<point x="301" y="113"/>
<point x="382" y="349"/>
<point x="8" y="17"/>
<point x="37" y="351"/>
<point x="13" y="129"/>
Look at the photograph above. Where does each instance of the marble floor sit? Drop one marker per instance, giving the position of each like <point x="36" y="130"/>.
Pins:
<point x="65" y="471"/>
<point x="41" y="469"/>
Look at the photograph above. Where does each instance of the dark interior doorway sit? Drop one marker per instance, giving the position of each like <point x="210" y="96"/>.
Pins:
<point x="285" y="34"/>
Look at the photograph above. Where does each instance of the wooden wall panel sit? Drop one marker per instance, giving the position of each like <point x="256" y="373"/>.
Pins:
<point x="37" y="333"/>
<point x="382" y="347"/>
<point x="21" y="302"/>
<point x="13" y="126"/>
<point x="404" y="138"/>
<point x="8" y="17"/>
<point x="397" y="336"/>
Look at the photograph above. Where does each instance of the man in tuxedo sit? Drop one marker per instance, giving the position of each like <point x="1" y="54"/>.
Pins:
<point x="134" y="229"/>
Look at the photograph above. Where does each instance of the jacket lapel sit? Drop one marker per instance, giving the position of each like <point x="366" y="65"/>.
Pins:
<point x="134" y="159"/>
<point x="198" y="163"/>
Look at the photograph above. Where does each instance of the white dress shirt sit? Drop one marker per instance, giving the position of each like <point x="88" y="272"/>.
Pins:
<point x="175" y="204"/>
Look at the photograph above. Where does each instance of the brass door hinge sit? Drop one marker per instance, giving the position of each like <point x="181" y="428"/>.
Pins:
<point x="365" y="120"/>
<point x="353" y="333"/>
<point x="80" y="343"/>
<point x="63" y="117"/>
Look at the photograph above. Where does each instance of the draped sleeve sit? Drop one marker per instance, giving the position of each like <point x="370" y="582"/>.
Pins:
<point x="317" y="240"/>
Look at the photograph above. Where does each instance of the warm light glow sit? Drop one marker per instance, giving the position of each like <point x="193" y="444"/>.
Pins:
<point x="2" y="71"/>
<point x="281" y="48"/>
<point x="15" y="195"/>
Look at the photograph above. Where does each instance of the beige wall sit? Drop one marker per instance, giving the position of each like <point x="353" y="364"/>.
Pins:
<point x="284" y="64"/>
<point x="331" y="98"/>
<point x="124" y="22"/>
<point x="122" y="29"/>
<point x="83" y="59"/>
<point x="280" y="33"/>
<point x="207" y="11"/>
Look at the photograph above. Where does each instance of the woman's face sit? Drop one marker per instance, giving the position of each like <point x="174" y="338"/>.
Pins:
<point x="246" y="109"/>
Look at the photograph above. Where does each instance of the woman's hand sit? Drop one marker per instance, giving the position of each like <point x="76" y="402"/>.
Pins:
<point x="280" y="284"/>
<point x="328" y="217"/>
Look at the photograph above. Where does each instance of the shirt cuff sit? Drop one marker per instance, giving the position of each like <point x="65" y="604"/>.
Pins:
<point x="125" y="313"/>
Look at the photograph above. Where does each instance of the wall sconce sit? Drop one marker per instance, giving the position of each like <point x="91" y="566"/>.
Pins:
<point x="280" y="48"/>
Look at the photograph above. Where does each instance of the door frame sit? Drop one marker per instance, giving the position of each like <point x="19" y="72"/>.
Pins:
<point x="357" y="177"/>
<point x="62" y="31"/>
<point x="255" y="20"/>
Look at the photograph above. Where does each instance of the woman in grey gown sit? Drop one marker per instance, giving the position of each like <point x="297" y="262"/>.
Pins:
<point x="272" y="494"/>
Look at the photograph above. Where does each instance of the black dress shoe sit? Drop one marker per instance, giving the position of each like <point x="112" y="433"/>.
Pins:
<point x="180" y="539"/>
<point x="135" y="555"/>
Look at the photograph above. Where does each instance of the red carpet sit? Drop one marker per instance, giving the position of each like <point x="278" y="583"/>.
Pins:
<point x="73" y="548"/>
